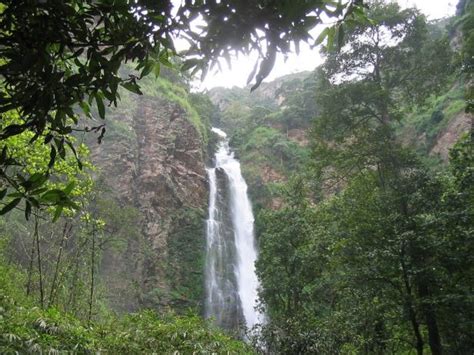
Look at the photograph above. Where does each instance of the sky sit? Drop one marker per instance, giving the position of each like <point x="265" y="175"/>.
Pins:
<point x="308" y="59"/>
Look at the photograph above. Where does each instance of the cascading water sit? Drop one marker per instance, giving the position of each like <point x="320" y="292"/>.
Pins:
<point x="231" y="282"/>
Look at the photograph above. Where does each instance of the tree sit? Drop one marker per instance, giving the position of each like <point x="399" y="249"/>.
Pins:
<point x="376" y="268"/>
<point x="298" y="101"/>
<point x="364" y="89"/>
<point x="288" y="272"/>
<point x="384" y="256"/>
<point x="67" y="190"/>
<point x="369" y="83"/>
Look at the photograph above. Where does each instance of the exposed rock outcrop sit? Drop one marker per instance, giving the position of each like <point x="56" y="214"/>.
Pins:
<point x="462" y="122"/>
<point x="155" y="162"/>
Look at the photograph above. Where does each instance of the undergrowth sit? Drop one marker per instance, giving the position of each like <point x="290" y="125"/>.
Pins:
<point x="26" y="328"/>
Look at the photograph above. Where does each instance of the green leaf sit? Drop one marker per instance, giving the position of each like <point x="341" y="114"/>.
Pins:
<point x="190" y="63"/>
<point x="69" y="188"/>
<point x="133" y="87"/>
<point x="100" y="106"/>
<point x="311" y="21"/>
<point x="60" y="145"/>
<point x="331" y="34"/>
<point x="85" y="108"/>
<point x="57" y="213"/>
<point x="165" y="61"/>
<point x="322" y="36"/>
<point x="108" y="95"/>
<point x="3" y="193"/>
<point x="157" y="69"/>
<point x="147" y="69"/>
<point x="27" y="210"/>
<point x="10" y="206"/>
<point x="252" y="73"/>
<point x="48" y="138"/>
<point x="53" y="196"/>
<point x="340" y="36"/>
<point x="15" y="194"/>
<point x="38" y="191"/>
<point x="52" y="157"/>
<point x="71" y="146"/>
<point x="4" y="155"/>
<point x="35" y="181"/>
<point x="13" y="130"/>
<point x="34" y="202"/>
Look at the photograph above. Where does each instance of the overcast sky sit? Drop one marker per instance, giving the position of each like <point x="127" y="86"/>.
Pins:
<point x="307" y="59"/>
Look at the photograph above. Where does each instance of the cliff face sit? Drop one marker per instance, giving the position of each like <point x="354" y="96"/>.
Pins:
<point x="152" y="159"/>
<point x="461" y="123"/>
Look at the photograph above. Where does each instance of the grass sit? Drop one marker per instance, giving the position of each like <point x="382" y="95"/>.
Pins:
<point x="432" y="118"/>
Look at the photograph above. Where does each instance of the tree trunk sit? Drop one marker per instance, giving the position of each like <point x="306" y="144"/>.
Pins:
<point x="91" y="298"/>
<point x="64" y="237"/>
<point x="410" y="306"/>
<point x="38" y="252"/>
<point x="434" y="338"/>
<point x="72" y="295"/>
<point x="30" y="268"/>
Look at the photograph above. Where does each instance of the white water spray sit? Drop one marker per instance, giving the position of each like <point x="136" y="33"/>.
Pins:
<point x="231" y="282"/>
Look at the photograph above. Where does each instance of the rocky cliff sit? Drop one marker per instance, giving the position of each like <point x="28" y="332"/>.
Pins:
<point x="152" y="158"/>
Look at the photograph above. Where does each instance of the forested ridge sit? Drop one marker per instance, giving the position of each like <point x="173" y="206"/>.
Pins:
<point x="360" y="175"/>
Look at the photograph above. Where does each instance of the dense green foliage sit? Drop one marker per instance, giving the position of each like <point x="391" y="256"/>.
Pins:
<point x="465" y="11"/>
<point x="431" y="119"/>
<point x="70" y="263"/>
<point x="374" y="268"/>
<point x="26" y="328"/>
<point x="187" y="253"/>
<point x="71" y="278"/>
<point x="371" y="250"/>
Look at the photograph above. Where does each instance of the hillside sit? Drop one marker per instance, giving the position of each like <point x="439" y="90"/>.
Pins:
<point x="271" y="129"/>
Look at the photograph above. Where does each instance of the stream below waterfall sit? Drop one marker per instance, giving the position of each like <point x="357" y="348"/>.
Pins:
<point x="231" y="282"/>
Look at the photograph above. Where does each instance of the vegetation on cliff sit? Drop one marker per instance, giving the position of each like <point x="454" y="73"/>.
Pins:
<point x="83" y="256"/>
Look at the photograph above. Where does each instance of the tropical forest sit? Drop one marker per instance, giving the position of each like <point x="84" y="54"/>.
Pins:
<point x="150" y="206"/>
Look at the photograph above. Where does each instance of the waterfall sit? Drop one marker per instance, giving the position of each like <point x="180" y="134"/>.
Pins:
<point x="231" y="282"/>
